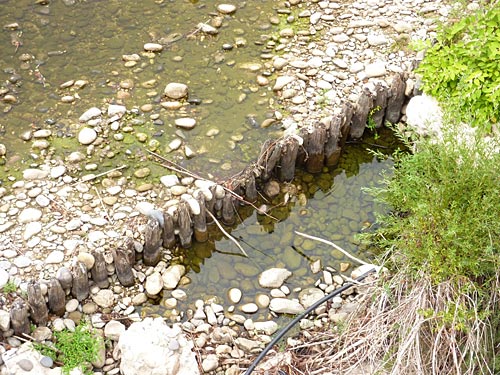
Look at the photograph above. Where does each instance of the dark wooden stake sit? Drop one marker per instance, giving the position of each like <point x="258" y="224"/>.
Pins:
<point x="332" y="145"/>
<point x="57" y="298"/>
<point x="251" y="193"/>
<point x="346" y="114"/>
<point x="152" y="242"/>
<point x="200" y="220"/>
<point x="379" y="105"/>
<point x="316" y="149"/>
<point x="360" y="116"/>
<point x="19" y="317"/>
<point x="80" y="289"/>
<point x="123" y="268"/>
<point x="36" y="301"/>
<point x="99" y="272"/>
<point x="269" y="157"/>
<point x="184" y="223"/>
<point x="228" y="210"/>
<point x="168" y="231"/>
<point x="396" y="99"/>
<point x="288" y="159"/>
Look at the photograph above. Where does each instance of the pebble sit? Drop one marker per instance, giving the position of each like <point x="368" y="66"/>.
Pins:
<point x="185" y="122"/>
<point x="226" y="8"/>
<point x="274" y="277"/>
<point x="29" y="215"/>
<point x="234" y="295"/>
<point x="87" y="135"/>
<point x="153" y="47"/>
<point x="90" y="114"/>
<point x="55" y="257"/>
<point x="285" y="306"/>
<point x="176" y="90"/>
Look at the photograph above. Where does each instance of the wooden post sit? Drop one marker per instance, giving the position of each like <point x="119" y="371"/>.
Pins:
<point x="332" y="146"/>
<point x="210" y="205"/>
<point x="228" y="210"/>
<point x="80" y="289"/>
<point x="269" y="157"/>
<point x="36" y="302"/>
<point x="288" y="159"/>
<point x="152" y="243"/>
<point x="65" y="277"/>
<point x="122" y="268"/>
<point x="57" y="298"/>
<point x="19" y="317"/>
<point x="129" y="250"/>
<point x="98" y="272"/>
<point x="360" y="116"/>
<point x="168" y="231"/>
<point x="184" y="223"/>
<point x="200" y="220"/>
<point x="251" y="193"/>
<point x="315" y="148"/>
<point x="346" y="114"/>
<point x="396" y="99"/>
<point x="379" y="105"/>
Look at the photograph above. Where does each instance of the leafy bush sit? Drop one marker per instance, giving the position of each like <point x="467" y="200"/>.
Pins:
<point x="446" y="208"/>
<point x="461" y="68"/>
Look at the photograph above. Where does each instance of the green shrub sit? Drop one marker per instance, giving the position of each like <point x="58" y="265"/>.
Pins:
<point x="461" y="68"/>
<point x="446" y="208"/>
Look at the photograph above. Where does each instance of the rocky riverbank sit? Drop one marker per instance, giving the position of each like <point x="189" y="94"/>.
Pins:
<point x="326" y="53"/>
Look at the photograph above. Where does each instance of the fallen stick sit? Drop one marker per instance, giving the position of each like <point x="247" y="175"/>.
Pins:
<point x="227" y="234"/>
<point x="335" y="246"/>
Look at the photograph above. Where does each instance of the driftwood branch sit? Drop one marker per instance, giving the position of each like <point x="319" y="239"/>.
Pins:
<point x="227" y="234"/>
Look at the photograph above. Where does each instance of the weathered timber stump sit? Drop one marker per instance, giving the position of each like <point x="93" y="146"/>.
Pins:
<point x="57" y="297"/>
<point x="251" y="193"/>
<point x="123" y="268"/>
<point x="346" y="114"/>
<point x="268" y="159"/>
<point x="168" y="231"/>
<point x="184" y="223"/>
<point x="360" y="116"/>
<point x="288" y="159"/>
<point x="98" y="272"/>
<point x="19" y="317"/>
<point x="80" y="288"/>
<point x="396" y="99"/>
<point x="228" y="209"/>
<point x="129" y="249"/>
<point x="200" y="220"/>
<point x="379" y="105"/>
<point x="315" y="149"/>
<point x="332" y="145"/>
<point x="65" y="277"/>
<point x="152" y="243"/>
<point x="36" y="301"/>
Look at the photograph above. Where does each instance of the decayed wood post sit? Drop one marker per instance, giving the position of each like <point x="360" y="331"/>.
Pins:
<point x="228" y="209"/>
<point x="123" y="268"/>
<point x="184" y="223"/>
<point x="315" y="149"/>
<point x="346" y="114"/>
<point x="360" y="116"/>
<point x="80" y="289"/>
<point x="269" y="157"/>
<point x="288" y="159"/>
<point x="57" y="298"/>
<point x="332" y="146"/>
<point x="98" y="272"/>
<point x="251" y="193"/>
<point x="37" y="305"/>
<point x="152" y="243"/>
<point x="200" y="220"/>
<point x="396" y="99"/>
<point x="129" y="250"/>
<point x="379" y="105"/>
<point x="168" y="231"/>
<point x="65" y="277"/>
<point x="19" y="317"/>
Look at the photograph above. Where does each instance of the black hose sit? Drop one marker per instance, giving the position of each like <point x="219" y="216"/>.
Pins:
<point x="282" y="333"/>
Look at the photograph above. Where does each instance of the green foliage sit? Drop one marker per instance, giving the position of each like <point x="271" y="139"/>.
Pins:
<point x="73" y="349"/>
<point x="446" y="209"/>
<point x="461" y="68"/>
<point x="10" y="287"/>
<point x="371" y="123"/>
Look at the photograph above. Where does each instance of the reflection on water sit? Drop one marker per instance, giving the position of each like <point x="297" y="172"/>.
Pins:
<point x="45" y="46"/>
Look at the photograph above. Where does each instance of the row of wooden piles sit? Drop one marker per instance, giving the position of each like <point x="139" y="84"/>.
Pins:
<point x="278" y="159"/>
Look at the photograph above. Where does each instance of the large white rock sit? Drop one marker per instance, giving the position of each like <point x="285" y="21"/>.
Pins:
<point x="90" y="114"/>
<point x="273" y="277"/>
<point x="151" y="347"/>
<point x="86" y="136"/>
<point x="154" y="284"/>
<point x="285" y="306"/>
<point x="176" y="90"/>
<point x="172" y="275"/>
<point x="424" y="116"/>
